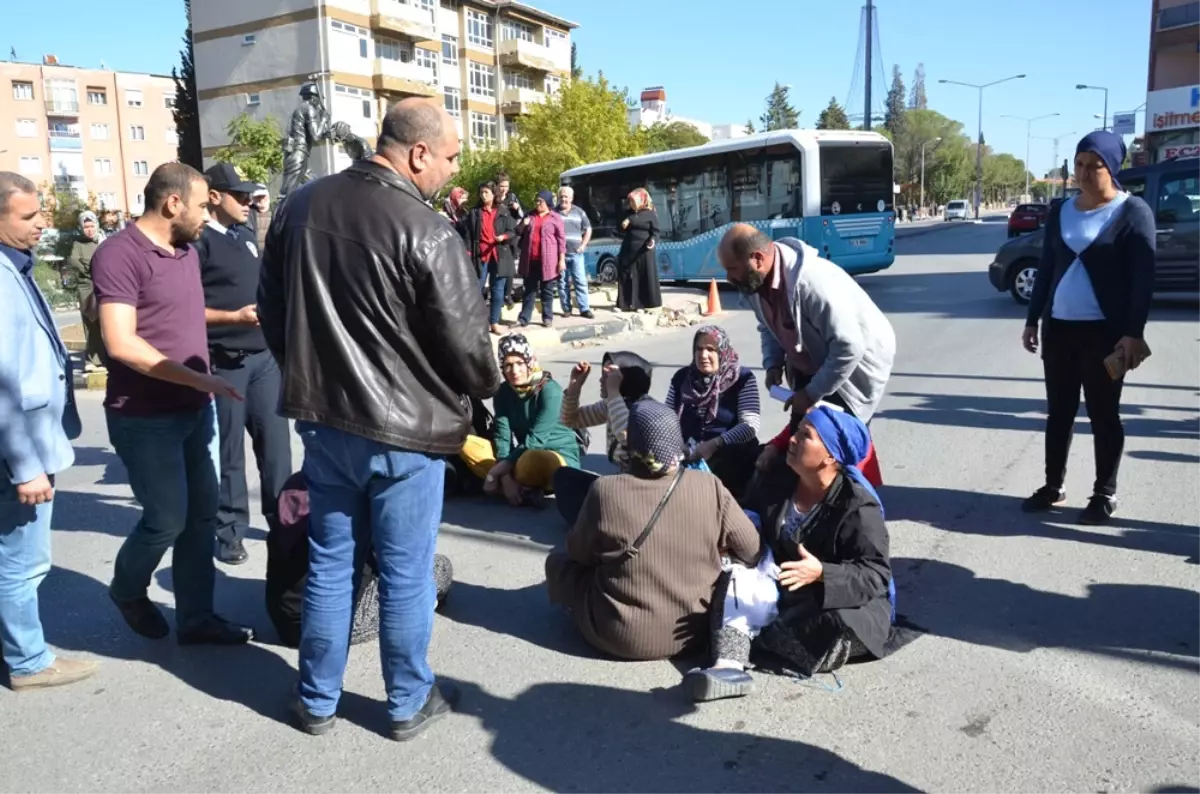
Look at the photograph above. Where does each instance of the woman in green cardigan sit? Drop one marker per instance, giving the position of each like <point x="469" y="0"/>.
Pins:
<point x="531" y="441"/>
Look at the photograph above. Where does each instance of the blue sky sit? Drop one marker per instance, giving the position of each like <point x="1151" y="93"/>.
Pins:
<point x="719" y="59"/>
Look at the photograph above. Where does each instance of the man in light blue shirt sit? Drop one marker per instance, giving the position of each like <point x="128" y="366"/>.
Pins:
<point x="37" y="421"/>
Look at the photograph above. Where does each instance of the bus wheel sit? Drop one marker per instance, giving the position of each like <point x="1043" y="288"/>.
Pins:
<point x="606" y="271"/>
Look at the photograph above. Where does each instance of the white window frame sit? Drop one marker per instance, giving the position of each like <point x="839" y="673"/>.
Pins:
<point x="553" y="84"/>
<point x="108" y="201"/>
<point x="452" y="101"/>
<point x="453" y="42"/>
<point x="19" y="89"/>
<point x="102" y="166"/>
<point x="102" y="129"/>
<point x="480" y="31"/>
<point x="249" y="40"/>
<point x="385" y="48"/>
<point x="141" y="168"/>
<point x="253" y="99"/>
<point x="515" y="29"/>
<point x="486" y="120"/>
<point x="172" y="135"/>
<point x="428" y="59"/>
<point x="486" y="74"/>
<point x="134" y="98"/>
<point x="27" y="128"/>
<point x="169" y="101"/>
<point x="137" y="132"/>
<point x="94" y="93"/>
<point x="550" y="34"/>
<point x="517" y="79"/>
<point x="30" y="164"/>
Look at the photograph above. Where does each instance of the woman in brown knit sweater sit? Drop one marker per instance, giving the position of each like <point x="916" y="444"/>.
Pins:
<point x="640" y="589"/>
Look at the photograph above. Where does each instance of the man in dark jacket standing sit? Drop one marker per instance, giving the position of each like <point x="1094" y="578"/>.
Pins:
<point x="370" y="304"/>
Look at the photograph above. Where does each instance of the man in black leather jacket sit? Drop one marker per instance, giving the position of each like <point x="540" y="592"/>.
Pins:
<point x="370" y="304"/>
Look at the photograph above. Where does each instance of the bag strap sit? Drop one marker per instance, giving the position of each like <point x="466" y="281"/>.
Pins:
<point x="641" y="539"/>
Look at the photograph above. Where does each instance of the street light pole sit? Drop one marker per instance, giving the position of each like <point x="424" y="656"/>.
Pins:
<point x="979" y="145"/>
<point x="1028" y="132"/>
<point x="923" y="145"/>
<point x="1056" y="139"/>
<point x="1082" y="87"/>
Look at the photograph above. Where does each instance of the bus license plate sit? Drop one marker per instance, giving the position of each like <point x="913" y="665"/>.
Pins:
<point x="860" y="242"/>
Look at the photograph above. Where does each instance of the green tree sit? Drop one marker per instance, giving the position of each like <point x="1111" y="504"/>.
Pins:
<point x="897" y="96"/>
<point x="833" y="117"/>
<point x="255" y="147"/>
<point x="749" y="128"/>
<point x="187" y="106"/>
<point x="664" y="136"/>
<point x="576" y="72"/>
<point x="916" y="98"/>
<point x="779" y="115"/>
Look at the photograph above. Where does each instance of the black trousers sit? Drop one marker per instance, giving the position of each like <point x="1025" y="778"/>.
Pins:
<point x="256" y="376"/>
<point x="571" y="487"/>
<point x="1073" y="356"/>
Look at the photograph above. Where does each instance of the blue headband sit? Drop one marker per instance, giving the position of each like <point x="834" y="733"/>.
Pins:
<point x="847" y="440"/>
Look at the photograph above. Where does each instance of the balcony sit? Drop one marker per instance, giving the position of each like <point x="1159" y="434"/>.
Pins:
<point x="65" y="142"/>
<point x="62" y="107"/>
<point x="408" y="20"/>
<point x="1185" y="15"/>
<point x="398" y="77"/>
<point x="518" y="52"/>
<point x="518" y="101"/>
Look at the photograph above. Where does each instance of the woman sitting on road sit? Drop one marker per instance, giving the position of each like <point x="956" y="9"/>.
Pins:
<point x="717" y="403"/>
<point x="531" y="443"/>
<point x="640" y="564"/>
<point x="624" y="379"/>
<point x="827" y="599"/>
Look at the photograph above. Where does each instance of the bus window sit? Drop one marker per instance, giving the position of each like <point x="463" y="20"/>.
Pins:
<point x="766" y="185"/>
<point x="857" y="178"/>
<point x="662" y="183"/>
<point x="704" y="201"/>
<point x="603" y="197"/>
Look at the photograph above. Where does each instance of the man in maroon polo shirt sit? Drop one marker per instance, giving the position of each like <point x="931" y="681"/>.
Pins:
<point x="159" y="406"/>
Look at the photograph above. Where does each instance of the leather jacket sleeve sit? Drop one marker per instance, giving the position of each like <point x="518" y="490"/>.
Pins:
<point x="271" y="309"/>
<point x="449" y="294"/>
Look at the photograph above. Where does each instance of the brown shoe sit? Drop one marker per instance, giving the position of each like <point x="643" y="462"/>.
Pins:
<point x="62" y="671"/>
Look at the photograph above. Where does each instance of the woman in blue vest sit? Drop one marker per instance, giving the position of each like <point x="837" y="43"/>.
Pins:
<point x="716" y="400"/>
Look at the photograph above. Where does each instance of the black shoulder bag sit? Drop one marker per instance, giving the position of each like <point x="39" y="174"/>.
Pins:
<point x="633" y="550"/>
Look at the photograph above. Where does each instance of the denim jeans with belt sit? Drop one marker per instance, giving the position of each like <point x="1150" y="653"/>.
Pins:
<point x="576" y="274"/>
<point x="365" y="494"/>
<point x="170" y="461"/>
<point x="24" y="563"/>
<point x="499" y="290"/>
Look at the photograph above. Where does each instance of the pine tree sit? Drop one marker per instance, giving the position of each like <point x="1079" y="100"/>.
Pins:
<point x="893" y="117"/>
<point x="749" y="127"/>
<point x="187" y="106"/>
<point x="576" y="72"/>
<point x="833" y="117"/>
<point x="780" y="115"/>
<point x="917" y="99"/>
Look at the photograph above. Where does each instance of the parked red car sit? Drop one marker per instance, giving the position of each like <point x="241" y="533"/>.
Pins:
<point x="1027" y="218"/>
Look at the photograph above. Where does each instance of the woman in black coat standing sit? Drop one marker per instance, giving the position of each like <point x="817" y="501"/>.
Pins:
<point x="1092" y="298"/>
<point x="491" y="234"/>
<point x="637" y="275"/>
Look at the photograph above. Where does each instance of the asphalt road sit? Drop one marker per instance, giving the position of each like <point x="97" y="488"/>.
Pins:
<point x="1056" y="657"/>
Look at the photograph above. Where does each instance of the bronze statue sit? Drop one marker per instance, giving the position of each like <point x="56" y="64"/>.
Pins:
<point x="308" y="126"/>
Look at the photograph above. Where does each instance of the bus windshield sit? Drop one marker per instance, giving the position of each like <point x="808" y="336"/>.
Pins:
<point x="856" y="178"/>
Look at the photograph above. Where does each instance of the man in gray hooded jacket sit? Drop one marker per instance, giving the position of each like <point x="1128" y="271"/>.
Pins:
<point x="816" y="324"/>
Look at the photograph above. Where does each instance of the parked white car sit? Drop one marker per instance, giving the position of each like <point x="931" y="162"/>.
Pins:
<point x="957" y="210"/>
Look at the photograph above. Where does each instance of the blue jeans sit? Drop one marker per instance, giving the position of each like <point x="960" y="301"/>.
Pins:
<point x="172" y="473"/>
<point x="364" y="493"/>
<point x="576" y="273"/>
<point x="499" y="286"/>
<point x="536" y="286"/>
<point x="24" y="563"/>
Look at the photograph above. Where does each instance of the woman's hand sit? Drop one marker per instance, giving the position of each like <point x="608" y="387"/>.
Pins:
<point x="579" y="376"/>
<point x="625" y="224"/>
<point x="802" y="572"/>
<point x="562" y="266"/>
<point x="706" y="449"/>
<point x="650" y="245"/>
<point x="1029" y="338"/>
<point x="766" y="458"/>
<point x="1132" y="350"/>
<point x="513" y="493"/>
<point x="495" y="477"/>
<point x="612" y="379"/>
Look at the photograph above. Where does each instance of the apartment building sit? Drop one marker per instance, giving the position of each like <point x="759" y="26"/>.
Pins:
<point x="1172" y="91"/>
<point x="489" y="61"/>
<point x="89" y="130"/>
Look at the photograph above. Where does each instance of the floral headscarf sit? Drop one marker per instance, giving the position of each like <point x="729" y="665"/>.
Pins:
<point x="704" y="391"/>
<point x="654" y="440"/>
<point x="641" y="199"/>
<point x="518" y="345"/>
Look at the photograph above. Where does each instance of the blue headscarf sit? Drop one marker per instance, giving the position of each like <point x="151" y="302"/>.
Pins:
<point x="1108" y="146"/>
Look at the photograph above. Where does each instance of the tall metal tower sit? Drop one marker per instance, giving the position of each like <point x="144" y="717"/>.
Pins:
<point x="862" y="103"/>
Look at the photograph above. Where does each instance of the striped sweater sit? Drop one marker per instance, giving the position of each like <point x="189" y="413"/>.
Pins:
<point x="613" y="413"/>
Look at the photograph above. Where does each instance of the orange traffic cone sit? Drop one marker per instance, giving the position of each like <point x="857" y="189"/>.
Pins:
<point x="714" y="299"/>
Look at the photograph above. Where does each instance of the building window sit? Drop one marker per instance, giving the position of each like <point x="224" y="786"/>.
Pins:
<point x="511" y="29"/>
<point x="451" y="4"/>
<point x="31" y="165"/>
<point x="139" y="202"/>
<point x="248" y="39"/>
<point x="172" y="136"/>
<point x="169" y="101"/>
<point x="108" y="201"/>
<point x="427" y="59"/>
<point x="482" y="80"/>
<point x="392" y="50"/>
<point x="26" y="128"/>
<point x="483" y="130"/>
<point x="510" y="128"/>
<point x="141" y="168"/>
<point x="133" y="98"/>
<point x="554" y="37"/>
<point x="97" y="96"/>
<point x="99" y="132"/>
<point x="479" y="29"/>
<point x="102" y="165"/>
<point x="23" y="90"/>
<point x="453" y="98"/>
<point x="449" y="50"/>
<point x="137" y="132"/>
<point x="252" y="99"/>
<point x="366" y="94"/>
<point x="517" y="80"/>
<point x="553" y="83"/>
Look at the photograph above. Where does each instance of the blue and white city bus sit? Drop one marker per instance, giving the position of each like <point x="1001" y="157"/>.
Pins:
<point x="831" y="188"/>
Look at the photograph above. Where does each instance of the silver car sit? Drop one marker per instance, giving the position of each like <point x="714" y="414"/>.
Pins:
<point x="956" y="210"/>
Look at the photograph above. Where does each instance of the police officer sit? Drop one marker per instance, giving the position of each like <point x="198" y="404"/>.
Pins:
<point x="229" y="270"/>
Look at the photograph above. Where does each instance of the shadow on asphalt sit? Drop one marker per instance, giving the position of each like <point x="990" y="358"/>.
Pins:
<point x="525" y="614"/>
<point x="1028" y="414"/>
<point x="1129" y="383"/>
<point x="1122" y="621"/>
<point x="585" y="738"/>
<point x="958" y="238"/>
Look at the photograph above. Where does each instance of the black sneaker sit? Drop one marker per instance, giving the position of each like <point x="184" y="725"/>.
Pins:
<point x="1099" y="510"/>
<point x="441" y="701"/>
<point x="143" y="617"/>
<point x="588" y="315"/>
<point x="216" y="631"/>
<point x="1044" y="499"/>
<point x="232" y="553"/>
<point x="310" y="723"/>
<point x="717" y="683"/>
